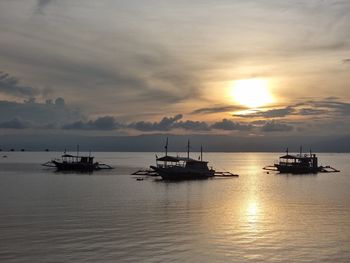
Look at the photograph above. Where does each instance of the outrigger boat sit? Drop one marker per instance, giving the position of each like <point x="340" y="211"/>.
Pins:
<point x="175" y="168"/>
<point x="299" y="164"/>
<point x="78" y="163"/>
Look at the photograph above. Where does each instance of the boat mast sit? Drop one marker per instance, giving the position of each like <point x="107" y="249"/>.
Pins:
<point x="188" y="149"/>
<point x="201" y="153"/>
<point x="166" y="150"/>
<point x="166" y="147"/>
<point x="77" y="152"/>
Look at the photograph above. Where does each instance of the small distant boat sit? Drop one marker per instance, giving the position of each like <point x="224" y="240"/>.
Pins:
<point x="299" y="164"/>
<point x="78" y="163"/>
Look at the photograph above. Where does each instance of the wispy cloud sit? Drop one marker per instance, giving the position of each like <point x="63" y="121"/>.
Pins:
<point x="218" y="109"/>
<point x="274" y="113"/>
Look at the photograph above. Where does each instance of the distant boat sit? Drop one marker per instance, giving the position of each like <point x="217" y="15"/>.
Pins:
<point x="299" y="164"/>
<point x="182" y="168"/>
<point x="76" y="163"/>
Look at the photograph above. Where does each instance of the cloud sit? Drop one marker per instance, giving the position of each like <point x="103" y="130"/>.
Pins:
<point x="218" y="109"/>
<point x="229" y="125"/>
<point x="13" y="124"/>
<point x="341" y="108"/>
<point x="311" y="111"/>
<point x="274" y="113"/>
<point x="166" y="124"/>
<point x="105" y="123"/>
<point x="10" y="85"/>
<point x="42" y="4"/>
<point x="346" y="61"/>
<point x="192" y="125"/>
<point x="276" y="127"/>
<point x="318" y="107"/>
<point x="40" y="114"/>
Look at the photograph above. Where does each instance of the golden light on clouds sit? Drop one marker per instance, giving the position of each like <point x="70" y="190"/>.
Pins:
<point x="253" y="93"/>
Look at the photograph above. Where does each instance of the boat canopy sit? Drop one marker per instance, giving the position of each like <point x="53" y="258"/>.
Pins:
<point x="75" y="156"/>
<point x="176" y="159"/>
<point x="68" y="155"/>
<point x="169" y="159"/>
<point x="288" y="156"/>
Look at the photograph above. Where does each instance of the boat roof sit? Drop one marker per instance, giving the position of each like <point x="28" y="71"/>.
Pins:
<point x="168" y="159"/>
<point x="176" y="159"/>
<point x="288" y="156"/>
<point x="75" y="156"/>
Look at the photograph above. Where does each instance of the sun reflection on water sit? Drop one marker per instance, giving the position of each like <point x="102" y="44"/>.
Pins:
<point x="251" y="215"/>
<point x="252" y="209"/>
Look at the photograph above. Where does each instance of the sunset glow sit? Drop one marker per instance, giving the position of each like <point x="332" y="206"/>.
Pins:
<point x="252" y="93"/>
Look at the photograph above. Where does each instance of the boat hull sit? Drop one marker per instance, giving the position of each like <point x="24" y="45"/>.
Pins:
<point x="296" y="169"/>
<point x="182" y="173"/>
<point x="84" y="167"/>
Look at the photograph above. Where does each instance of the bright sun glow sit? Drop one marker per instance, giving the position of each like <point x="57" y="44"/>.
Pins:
<point x="252" y="93"/>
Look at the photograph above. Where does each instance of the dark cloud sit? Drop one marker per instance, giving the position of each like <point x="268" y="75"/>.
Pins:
<point x="274" y="126"/>
<point x="311" y="111"/>
<point x="319" y="107"/>
<point x="229" y="125"/>
<point x="332" y="106"/>
<point x="217" y="109"/>
<point x="42" y="4"/>
<point x="192" y="125"/>
<point x="346" y="61"/>
<point x="105" y="123"/>
<point x="10" y="85"/>
<point x="166" y="124"/>
<point x="274" y="113"/>
<point x="40" y="114"/>
<point x="13" y="124"/>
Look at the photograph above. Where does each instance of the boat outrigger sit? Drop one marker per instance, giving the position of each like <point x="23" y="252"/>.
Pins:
<point x="175" y="168"/>
<point x="300" y="164"/>
<point x="78" y="163"/>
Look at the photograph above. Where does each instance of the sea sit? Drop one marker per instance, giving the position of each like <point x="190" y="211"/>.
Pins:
<point x="110" y="216"/>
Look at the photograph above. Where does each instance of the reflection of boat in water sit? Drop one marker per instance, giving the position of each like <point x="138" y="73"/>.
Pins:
<point x="76" y="163"/>
<point x="182" y="168"/>
<point x="176" y="168"/>
<point x="299" y="164"/>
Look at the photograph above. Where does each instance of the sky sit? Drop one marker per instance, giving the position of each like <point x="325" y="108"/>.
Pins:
<point x="245" y="68"/>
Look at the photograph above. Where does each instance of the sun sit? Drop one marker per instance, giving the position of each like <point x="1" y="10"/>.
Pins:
<point x="253" y="93"/>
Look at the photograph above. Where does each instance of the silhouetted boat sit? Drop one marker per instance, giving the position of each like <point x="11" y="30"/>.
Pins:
<point x="175" y="168"/>
<point x="76" y="163"/>
<point x="182" y="168"/>
<point x="299" y="164"/>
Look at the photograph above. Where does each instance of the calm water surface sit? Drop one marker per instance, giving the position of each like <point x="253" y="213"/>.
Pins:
<point x="108" y="216"/>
